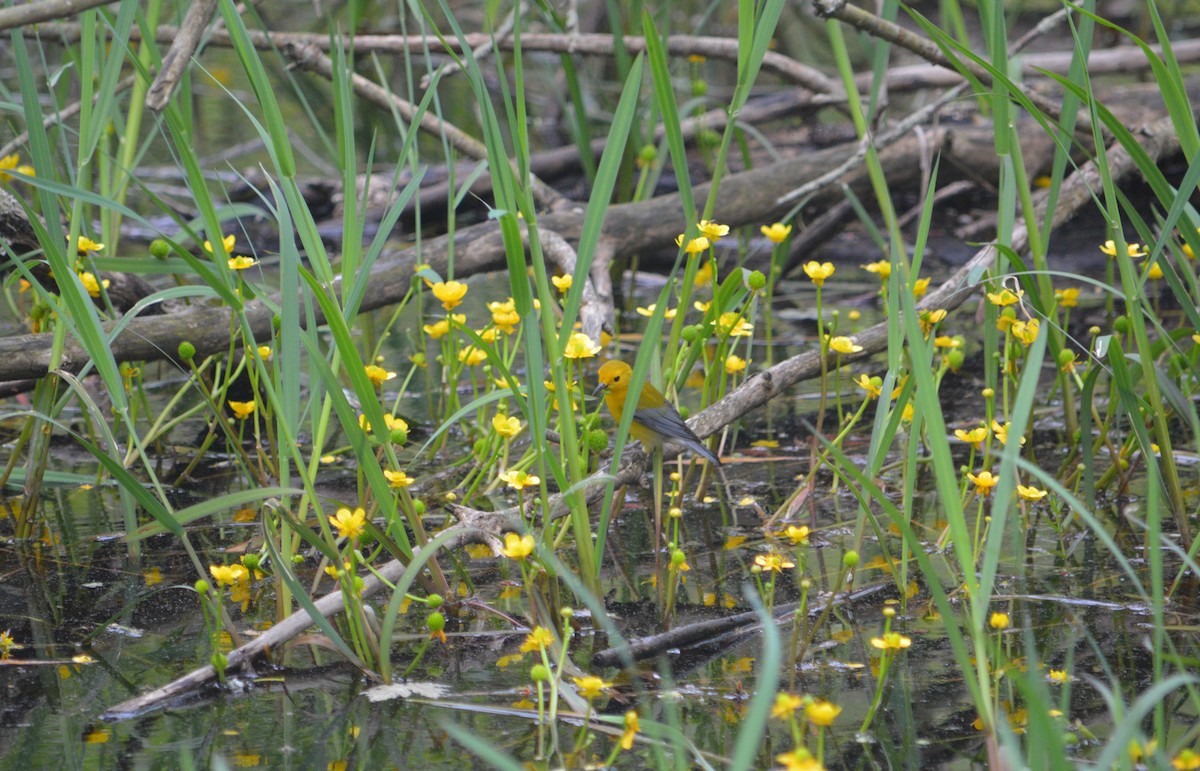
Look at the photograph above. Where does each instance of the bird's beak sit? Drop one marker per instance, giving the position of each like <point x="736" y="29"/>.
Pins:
<point x="598" y="389"/>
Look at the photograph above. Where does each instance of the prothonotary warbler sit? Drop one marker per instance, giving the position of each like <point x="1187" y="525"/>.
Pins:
<point x="655" y="420"/>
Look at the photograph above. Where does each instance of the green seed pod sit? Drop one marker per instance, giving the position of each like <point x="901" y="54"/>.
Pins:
<point x="678" y="558"/>
<point x="955" y="359"/>
<point x="693" y="333"/>
<point x="434" y="601"/>
<point x="757" y="280"/>
<point x="1121" y="325"/>
<point x="699" y="87"/>
<point x="850" y="559"/>
<point x="648" y="154"/>
<point x="1065" y="357"/>
<point x="539" y="673"/>
<point x="159" y="249"/>
<point x="399" y="436"/>
<point x="202" y="586"/>
<point x="187" y="351"/>
<point x="436" y="622"/>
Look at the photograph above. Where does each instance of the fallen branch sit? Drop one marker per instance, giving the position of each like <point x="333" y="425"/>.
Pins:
<point x="749" y="197"/>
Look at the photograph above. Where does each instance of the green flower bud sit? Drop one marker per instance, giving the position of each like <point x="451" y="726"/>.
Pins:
<point x="434" y="601"/>
<point x="1121" y="324"/>
<point x="419" y="507"/>
<point x="699" y="87"/>
<point x="202" y="586"/>
<point x="539" y="673"/>
<point x="850" y="559"/>
<point x="187" y="351"/>
<point x="597" y="441"/>
<point x="648" y="154"/>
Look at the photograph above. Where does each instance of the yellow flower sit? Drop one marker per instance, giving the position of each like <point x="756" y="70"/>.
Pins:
<point x="440" y="328"/>
<point x="975" y="436"/>
<point x="378" y="375"/>
<point x="843" y="344"/>
<point x="518" y="547"/>
<point x="1058" y="676"/>
<point x="777" y="232"/>
<point x="998" y="620"/>
<point x="349" y="524"/>
<point x="540" y="638"/>
<point x="648" y="311"/>
<point x="920" y="286"/>
<point x="1156" y="272"/>
<point x="1133" y="250"/>
<point x="90" y="283"/>
<point x="704" y="275"/>
<point x="797" y="535"/>
<point x="507" y="427"/>
<point x="695" y="246"/>
<point x="7" y="163"/>
<point x="927" y="320"/>
<point x="591" y="686"/>
<point x="519" y="480"/>
<point x="264" y="352"/>
<point x="562" y="283"/>
<point x="228" y="575"/>
<point x="1031" y="493"/>
<point x="631" y="730"/>
<point x="817" y="272"/>
<point x="984" y="482"/>
<point x="773" y="562"/>
<point x="891" y="641"/>
<point x="734" y="364"/>
<point x="227" y="243"/>
<point x="786" y="705"/>
<point x="398" y="479"/>
<point x="1068" y="298"/>
<point x="243" y="410"/>
<point x="882" y="268"/>
<point x="799" y="759"/>
<point x="450" y="293"/>
<point x="505" y="316"/>
<point x="946" y="341"/>
<point x="872" y="385"/>
<point x="85" y="245"/>
<point x="1026" y="331"/>
<point x="1001" y="432"/>
<point x="580" y="346"/>
<point x="712" y="230"/>
<point x="1186" y="760"/>
<point x="733" y="324"/>
<point x="1004" y="297"/>
<point x="241" y="263"/>
<point x="472" y="355"/>
<point x="820" y="712"/>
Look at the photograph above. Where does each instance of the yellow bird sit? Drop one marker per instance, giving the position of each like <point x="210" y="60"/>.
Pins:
<point x="654" y="420"/>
